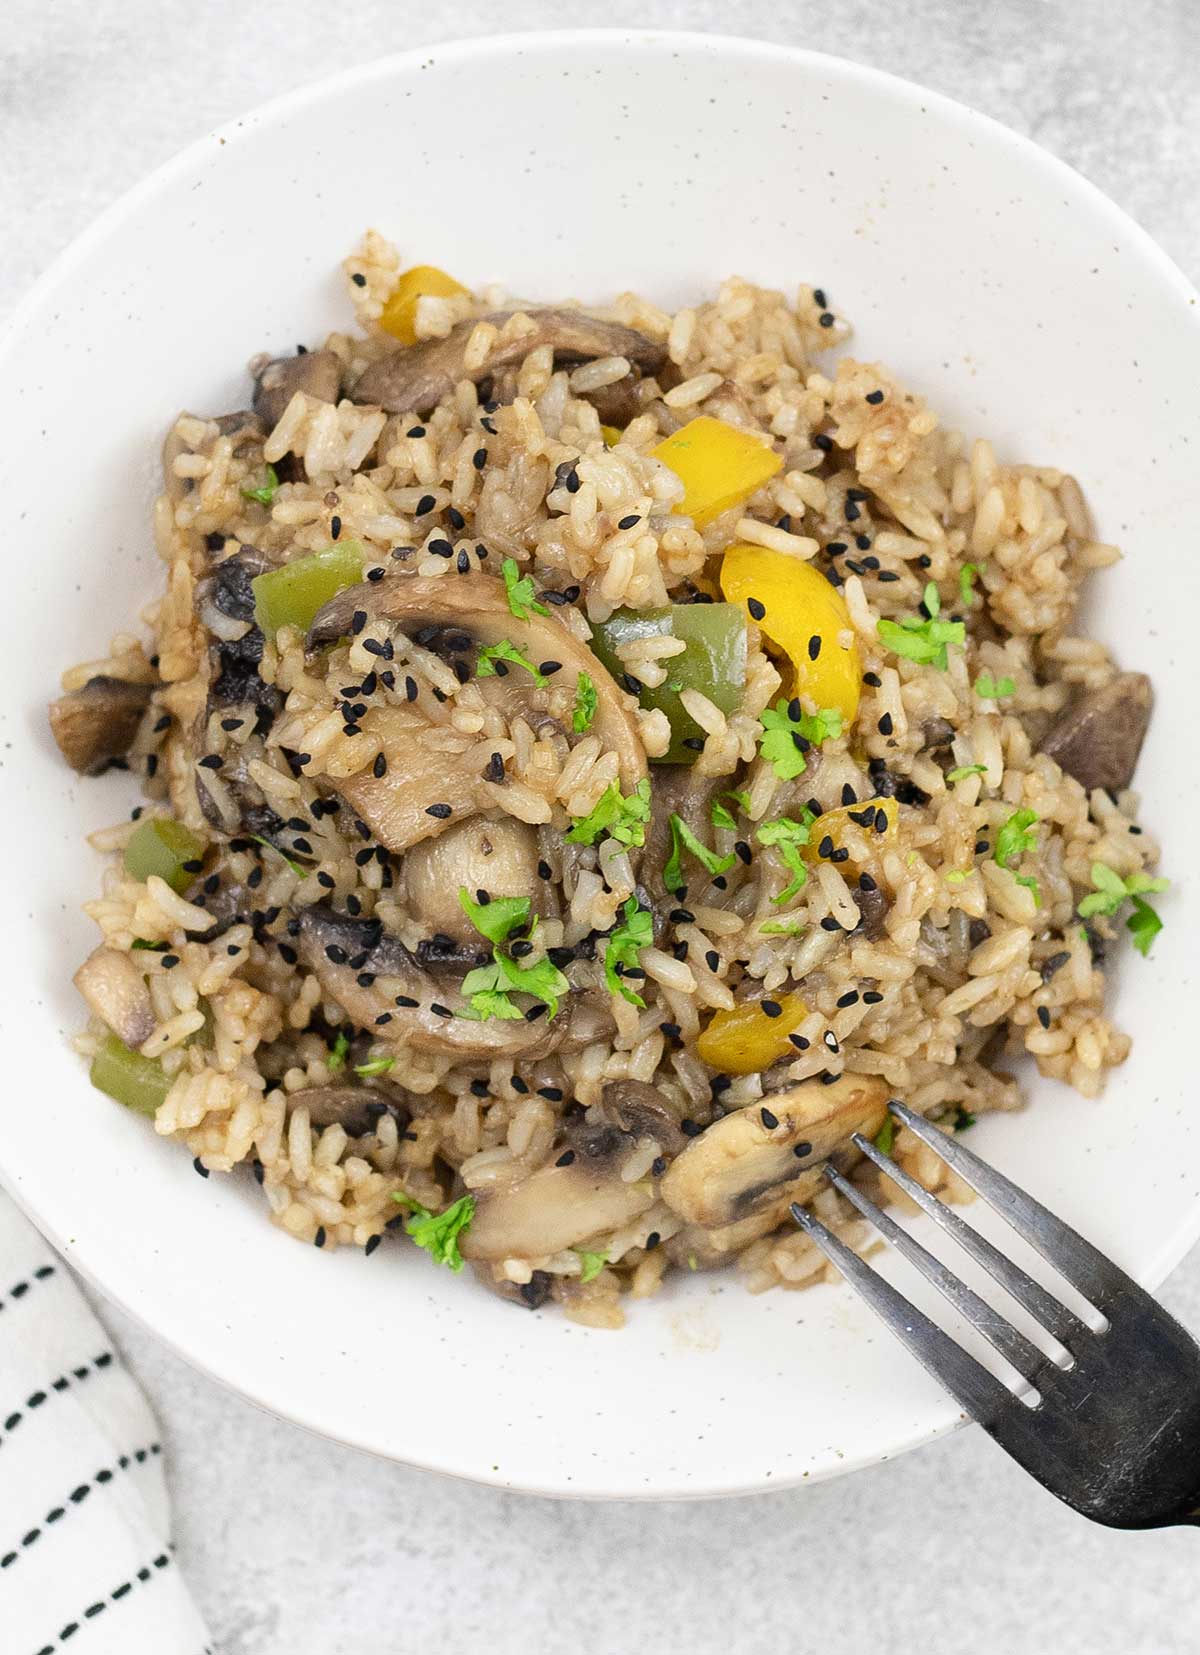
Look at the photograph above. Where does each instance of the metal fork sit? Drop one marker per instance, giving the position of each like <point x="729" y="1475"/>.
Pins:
<point x="1114" y="1428"/>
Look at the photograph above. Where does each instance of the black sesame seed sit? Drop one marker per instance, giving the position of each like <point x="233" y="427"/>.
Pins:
<point x="1043" y="1016"/>
<point x="875" y="397"/>
<point x="831" y="1042"/>
<point x="169" y="961"/>
<point x="872" y="997"/>
<point x="982" y="847"/>
<point x="519" y="1085"/>
<point x="671" y="1030"/>
<point x="440" y="1010"/>
<point x="814" y="646"/>
<point x="769" y="1120"/>
<point x="372" y="1243"/>
<point x="826" y="318"/>
<point x="479" y="458"/>
<point x="335" y="526"/>
<point x="830" y="924"/>
<point x="549" y="668"/>
<point x="415" y="431"/>
<point x="799" y="1041"/>
<point x="441" y="811"/>
<point x="840" y="855"/>
<point x="545" y="871"/>
<point x="694" y="743"/>
<point x="800" y="1150"/>
<point x="440" y="548"/>
<point x="652" y="1241"/>
<point x="743" y="852"/>
<point x="425" y="505"/>
<point x="887" y="576"/>
<point x="629" y="522"/>
<point x="359" y="279"/>
<point x="771" y="1008"/>
<point x="210" y="761"/>
<point x="406" y="1002"/>
<point x="850" y="998"/>
<point x="881" y="820"/>
<point x="288" y="954"/>
<point x="757" y="609"/>
<point x="681" y="916"/>
<point x="199" y="1166"/>
<point x="215" y="542"/>
<point x="821" y="441"/>
<point x="679" y="950"/>
<point x="658" y="1166"/>
<point x="319" y="1238"/>
<point x="825" y="848"/>
<point x="873" y="679"/>
<point x="336" y="954"/>
<point x="712" y="959"/>
<point x="565" y="1159"/>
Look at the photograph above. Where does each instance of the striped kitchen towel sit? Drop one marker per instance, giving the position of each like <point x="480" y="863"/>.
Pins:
<point x="86" y="1561"/>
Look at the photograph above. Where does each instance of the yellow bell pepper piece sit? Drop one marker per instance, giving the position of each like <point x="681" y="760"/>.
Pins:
<point x="861" y="837"/>
<point x="718" y="465"/>
<point x="793" y="605"/>
<point x="612" y="435"/>
<point x="399" y="314"/>
<point x="745" y="1040"/>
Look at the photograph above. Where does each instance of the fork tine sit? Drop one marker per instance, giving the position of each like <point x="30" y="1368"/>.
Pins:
<point x="1043" y="1306"/>
<point x="1096" y="1277"/>
<point x="972" y="1386"/>
<point x="1028" y="1360"/>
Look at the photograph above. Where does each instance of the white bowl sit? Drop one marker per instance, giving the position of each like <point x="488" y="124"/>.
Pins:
<point x="991" y="277"/>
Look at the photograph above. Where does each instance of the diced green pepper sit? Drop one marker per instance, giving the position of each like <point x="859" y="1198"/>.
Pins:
<point x="163" y="846"/>
<point x="291" y="596"/>
<point x="136" y="1081"/>
<point x="714" y="661"/>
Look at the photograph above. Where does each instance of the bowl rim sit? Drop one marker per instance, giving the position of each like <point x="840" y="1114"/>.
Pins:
<point x="40" y="297"/>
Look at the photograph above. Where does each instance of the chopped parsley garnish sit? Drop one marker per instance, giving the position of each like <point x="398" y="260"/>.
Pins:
<point x="965" y="770"/>
<point x="786" y="738"/>
<point x="488" y="987"/>
<point x="585" y="704"/>
<point x="1111" y="891"/>
<point x="266" y="492"/>
<point x="518" y="589"/>
<point x="966" y="581"/>
<point x="590" y="1264"/>
<point x="624" y="946"/>
<point x="154" y="947"/>
<point x="622" y="819"/>
<point x="438" y="1233"/>
<point x="958" y="876"/>
<point x="963" y="1118"/>
<point x="993" y="689"/>
<point x="721" y="816"/>
<point x="497" y="918"/>
<point x="300" y="871"/>
<point x="682" y="838"/>
<point x="336" y="1061"/>
<point x="885" y="1138"/>
<point x="788" y="838"/>
<point x="506" y="651"/>
<point x="782" y="928"/>
<point x="1013" y="841"/>
<point x="374" y="1066"/>
<point x="920" y="640"/>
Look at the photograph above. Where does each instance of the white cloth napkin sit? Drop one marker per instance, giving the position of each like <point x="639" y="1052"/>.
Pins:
<point x="86" y="1561"/>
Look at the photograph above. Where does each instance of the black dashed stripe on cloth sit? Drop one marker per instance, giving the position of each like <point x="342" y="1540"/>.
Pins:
<point x="64" y="1381"/>
<point x="67" y="1632"/>
<point x="19" y="1289"/>
<point x="76" y="1498"/>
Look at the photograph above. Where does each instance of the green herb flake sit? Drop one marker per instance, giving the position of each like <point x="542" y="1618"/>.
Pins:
<point x="590" y="1264"/>
<point x="782" y="928"/>
<point x="518" y="589"/>
<point x="624" y="947"/>
<point x="682" y="838"/>
<point x="496" y="919"/>
<point x="297" y="868"/>
<point x="152" y="947"/>
<point x="623" y="819"/>
<point x="721" y="816"/>
<point x="1143" y="926"/>
<point x="885" y="1138"/>
<point x="963" y="1118"/>
<point x="785" y="739"/>
<point x="374" y="1066"/>
<point x="966" y="581"/>
<point x="923" y="639"/>
<point x="487" y="988"/>
<point x="438" y="1233"/>
<point x="1111" y="891"/>
<point x="958" y="876"/>
<point x="336" y="1061"/>
<point x="1014" y="840"/>
<point x="502" y="652"/>
<point x="993" y="689"/>
<point x="585" y="704"/>
<point x="965" y="770"/>
<point x="265" y="493"/>
<point x="788" y="838"/>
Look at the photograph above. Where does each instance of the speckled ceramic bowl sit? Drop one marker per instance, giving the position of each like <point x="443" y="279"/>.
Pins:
<point x="980" y="269"/>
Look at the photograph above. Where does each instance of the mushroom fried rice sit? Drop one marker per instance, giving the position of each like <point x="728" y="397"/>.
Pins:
<point x="594" y="759"/>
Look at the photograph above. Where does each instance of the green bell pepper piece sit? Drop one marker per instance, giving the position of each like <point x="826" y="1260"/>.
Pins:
<point x="136" y="1081"/>
<point x="714" y="661"/>
<point x="292" y="595"/>
<point x="162" y="845"/>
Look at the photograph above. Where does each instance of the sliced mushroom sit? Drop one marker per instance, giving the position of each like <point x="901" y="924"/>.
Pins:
<point x="695" y="1248"/>
<point x="494" y="854"/>
<point x="675" y="789"/>
<point x="96" y="724"/>
<point x="463" y="615"/>
<point x="553" y="1209"/>
<point x="358" y="1109"/>
<point x="531" y="1294"/>
<point x="1098" y="739"/>
<point x="414" y="380"/>
<point x="317" y="373"/>
<point x="116" y="991"/>
<point x="371" y="975"/>
<point x="641" y="1111"/>
<point x="741" y="1165"/>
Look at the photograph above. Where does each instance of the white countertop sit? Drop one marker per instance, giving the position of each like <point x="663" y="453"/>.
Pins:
<point x="295" y="1545"/>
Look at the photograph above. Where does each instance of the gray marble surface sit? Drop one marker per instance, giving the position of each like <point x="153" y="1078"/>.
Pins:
<point x="294" y="1545"/>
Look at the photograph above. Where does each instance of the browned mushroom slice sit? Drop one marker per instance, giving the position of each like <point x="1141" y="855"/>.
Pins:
<point x="371" y="975"/>
<point x="748" y="1161"/>
<point x="358" y="1109"/>
<point x="414" y="380"/>
<point x="1098" y="739"/>
<point x="116" y="991"/>
<point x="467" y="613"/>
<point x="97" y="724"/>
<point x="676" y="789"/>
<point x="553" y="1209"/>
<point x="496" y="855"/>
<point x="641" y="1111"/>
<point x="695" y="1248"/>
<point x="317" y="373"/>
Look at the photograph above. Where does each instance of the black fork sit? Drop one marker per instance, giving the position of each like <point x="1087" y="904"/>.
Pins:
<point x="1114" y="1427"/>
